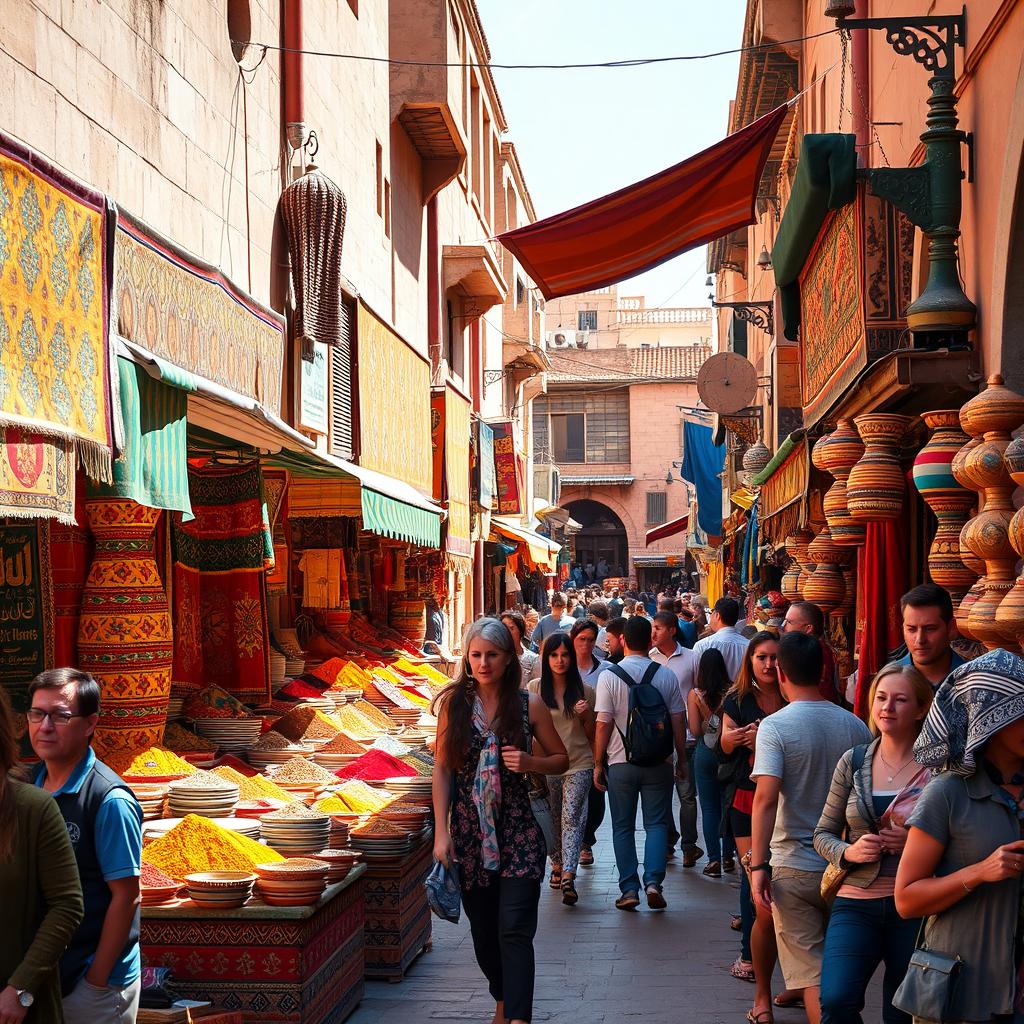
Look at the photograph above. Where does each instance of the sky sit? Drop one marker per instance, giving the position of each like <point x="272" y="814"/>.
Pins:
<point x="583" y="133"/>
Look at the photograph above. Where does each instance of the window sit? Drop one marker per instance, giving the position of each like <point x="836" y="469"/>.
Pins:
<point x="380" y="179"/>
<point x="657" y="507"/>
<point x="600" y="435"/>
<point x="387" y="208"/>
<point x="343" y="412"/>
<point x="588" y="319"/>
<point x="568" y="437"/>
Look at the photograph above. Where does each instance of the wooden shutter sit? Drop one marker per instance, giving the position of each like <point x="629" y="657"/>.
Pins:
<point x="343" y="386"/>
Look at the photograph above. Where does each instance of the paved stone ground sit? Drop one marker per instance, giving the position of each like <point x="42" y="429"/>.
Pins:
<point x="598" y="965"/>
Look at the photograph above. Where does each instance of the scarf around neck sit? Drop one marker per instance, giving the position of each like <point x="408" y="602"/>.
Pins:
<point x="487" y="789"/>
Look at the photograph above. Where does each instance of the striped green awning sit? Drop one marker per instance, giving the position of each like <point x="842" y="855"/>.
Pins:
<point x="389" y="517"/>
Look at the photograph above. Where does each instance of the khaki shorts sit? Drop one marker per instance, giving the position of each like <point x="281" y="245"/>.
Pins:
<point x="801" y="917"/>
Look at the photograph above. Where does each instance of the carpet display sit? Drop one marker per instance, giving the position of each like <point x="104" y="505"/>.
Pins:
<point x="125" y="637"/>
<point x="37" y="475"/>
<point x="54" y="350"/>
<point x="220" y="607"/>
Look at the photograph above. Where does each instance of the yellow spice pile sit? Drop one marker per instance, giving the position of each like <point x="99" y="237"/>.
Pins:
<point x="157" y="762"/>
<point x="197" y="844"/>
<point x="254" y="788"/>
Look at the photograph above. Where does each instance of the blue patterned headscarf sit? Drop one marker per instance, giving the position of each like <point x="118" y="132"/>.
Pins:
<point x="974" y="702"/>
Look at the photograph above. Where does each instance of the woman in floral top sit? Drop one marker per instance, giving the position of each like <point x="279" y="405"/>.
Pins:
<point x="485" y="727"/>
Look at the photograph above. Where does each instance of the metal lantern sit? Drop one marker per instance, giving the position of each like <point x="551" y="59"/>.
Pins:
<point x="313" y="211"/>
<point x="756" y="457"/>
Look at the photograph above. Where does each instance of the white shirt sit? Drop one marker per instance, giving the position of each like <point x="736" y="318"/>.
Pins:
<point x="682" y="663"/>
<point x="732" y="645"/>
<point x="612" y="703"/>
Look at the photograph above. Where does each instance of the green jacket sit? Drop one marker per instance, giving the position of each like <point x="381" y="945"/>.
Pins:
<point x="42" y="902"/>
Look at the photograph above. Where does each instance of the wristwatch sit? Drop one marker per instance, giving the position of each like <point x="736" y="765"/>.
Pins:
<point x="25" y="998"/>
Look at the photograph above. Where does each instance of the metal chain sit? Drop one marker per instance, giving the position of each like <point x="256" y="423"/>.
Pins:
<point x="864" y="109"/>
<point x="844" y="41"/>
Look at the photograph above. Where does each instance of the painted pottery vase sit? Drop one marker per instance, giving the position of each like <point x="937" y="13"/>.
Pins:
<point x="842" y="450"/>
<point x="756" y="457"/>
<point x="800" y="540"/>
<point x="967" y="556"/>
<point x="874" y="489"/>
<point x="993" y="414"/>
<point x="790" y="579"/>
<point x="1010" y="616"/>
<point x="125" y="639"/>
<point x="825" y="586"/>
<point x="948" y="499"/>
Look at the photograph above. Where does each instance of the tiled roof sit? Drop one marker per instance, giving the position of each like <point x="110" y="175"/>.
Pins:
<point x="676" y="362"/>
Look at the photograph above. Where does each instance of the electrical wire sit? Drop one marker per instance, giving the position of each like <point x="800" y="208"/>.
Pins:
<point x="626" y="63"/>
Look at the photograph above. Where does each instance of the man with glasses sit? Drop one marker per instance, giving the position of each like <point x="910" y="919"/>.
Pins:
<point x="100" y="970"/>
<point x="806" y="617"/>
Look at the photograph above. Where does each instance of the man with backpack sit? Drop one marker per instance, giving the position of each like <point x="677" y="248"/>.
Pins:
<point x="639" y="725"/>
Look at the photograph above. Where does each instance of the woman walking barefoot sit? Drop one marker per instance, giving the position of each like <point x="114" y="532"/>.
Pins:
<point x="485" y="727"/>
<point x="755" y="696"/>
<point x="572" y="709"/>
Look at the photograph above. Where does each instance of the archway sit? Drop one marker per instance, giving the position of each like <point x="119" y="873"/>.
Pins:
<point x="603" y="537"/>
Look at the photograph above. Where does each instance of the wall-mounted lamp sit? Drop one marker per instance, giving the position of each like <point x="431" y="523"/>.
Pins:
<point x="764" y="261"/>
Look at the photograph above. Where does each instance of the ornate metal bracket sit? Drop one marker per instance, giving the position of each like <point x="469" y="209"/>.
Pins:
<point x="931" y="41"/>
<point x="757" y="314"/>
<point x="907" y="188"/>
<point x="492" y="377"/>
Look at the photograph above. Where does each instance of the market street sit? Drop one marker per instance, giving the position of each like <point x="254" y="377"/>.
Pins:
<point x="659" y="968"/>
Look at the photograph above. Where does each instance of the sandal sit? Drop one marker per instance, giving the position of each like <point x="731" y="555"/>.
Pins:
<point x="586" y="857"/>
<point x="713" y="869"/>
<point x="789" y="1000"/>
<point x="760" y="1016"/>
<point x="555" y="881"/>
<point x="569" y="894"/>
<point x="741" y="969"/>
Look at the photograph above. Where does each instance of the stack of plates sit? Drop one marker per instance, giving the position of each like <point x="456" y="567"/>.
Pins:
<point x="153" y="895"/>
<point x="339" y="863"/>
<point x="295" y="666"/>
<point x="416" y="786"/>
<point x="339" y="834"/>
<point x="151" y="799"/>
<point x="381" y="846"/>
<point x="246" y="826"/>
<point x="278" y="670"/>
<point x="292" y="883"/>
<point x="210" y="802"/>
<point x="257" y="808"/>
<point x="174" y="706"/>
<point x="263" y="758"/>
<point x="333" y="761"/>
<point x="219" y="890"/>
<point x="231" y="734"/>
<point x="294" y="837"/>
<point x="405" y="716"/>
<point x="407" y="817"/>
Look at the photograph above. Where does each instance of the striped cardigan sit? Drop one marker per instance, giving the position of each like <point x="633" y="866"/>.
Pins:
<point x="849" y="813"/>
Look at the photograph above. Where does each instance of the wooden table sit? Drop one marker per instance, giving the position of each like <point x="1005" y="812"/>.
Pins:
<point x="299" y="965"/>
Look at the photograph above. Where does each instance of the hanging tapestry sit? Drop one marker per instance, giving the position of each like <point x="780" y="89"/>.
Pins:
<point x="888" y="273"/>
<point x="485" y="465"/>
<point x="702" y="462"/>
<point x="322" y="570"/>
<point x="505" y="472"/>
<point x="174" y="305"/>
<point x="833" y="345"/>
<point x="37" y="476"/>
<point x="54" y="342"/>
<point x="275" y="492"/>
<point x="152" y="467"/>
<point x="394" y="404"/>
<point x="26" y="607"/>
<point x="71" y="551"/>
<point x="456" y="471"/>
<point x="782" y="503"/>
<point x="219" y="585"/>
<point x="437" y="401"/>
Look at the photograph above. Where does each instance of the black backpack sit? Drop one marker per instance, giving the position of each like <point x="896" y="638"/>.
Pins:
<point x="648" y="737"/>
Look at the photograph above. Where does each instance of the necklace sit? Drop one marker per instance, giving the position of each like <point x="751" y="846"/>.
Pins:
<point x="893" y="772"/>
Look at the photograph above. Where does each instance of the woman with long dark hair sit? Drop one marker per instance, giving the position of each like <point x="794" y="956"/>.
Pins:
<point x="484" y="822"/>
<point x="571" y="703"/>
<point x="704" y="717"/>
<point x="755" y="696"/>
<point x="39" y="891"/>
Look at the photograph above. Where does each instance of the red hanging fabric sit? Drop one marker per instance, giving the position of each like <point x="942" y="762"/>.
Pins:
<point x="645" y="224"/>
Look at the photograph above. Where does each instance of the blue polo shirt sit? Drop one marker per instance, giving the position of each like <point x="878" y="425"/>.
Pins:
<point x="118" y="841"/>
<point x="955" y="661"/>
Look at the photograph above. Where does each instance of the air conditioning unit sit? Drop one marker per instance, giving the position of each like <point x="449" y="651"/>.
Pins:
<point x="566" y="337"/>
<point x="582" y="339"/>
<point x="547" y="483"/>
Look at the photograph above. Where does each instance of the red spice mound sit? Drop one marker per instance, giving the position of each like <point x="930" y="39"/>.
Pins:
<point x="239" y="765"/>
<point x="153" y="878"/>
<point x="376" y="765"/>
<point x="329" y="670"/>
<point x="300" y="690"/>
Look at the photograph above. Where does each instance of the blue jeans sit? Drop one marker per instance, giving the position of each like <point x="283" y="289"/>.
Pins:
<point x="861" y="934"/>
<point x="652" y="788"/>
<point x="711" y="794"/>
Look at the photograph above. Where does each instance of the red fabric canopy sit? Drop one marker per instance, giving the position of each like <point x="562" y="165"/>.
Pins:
<point x="638" y="227"/>
<point x="669" y="529"/>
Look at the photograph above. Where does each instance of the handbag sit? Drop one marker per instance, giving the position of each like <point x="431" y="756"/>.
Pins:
<point x="444" y="891"/>
<point x="833" y="876"/>
<point x="929" y="988"/>
<point x="537" y="788"/>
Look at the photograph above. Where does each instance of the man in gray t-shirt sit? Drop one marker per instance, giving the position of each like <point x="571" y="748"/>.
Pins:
<point x="795" y="755"/>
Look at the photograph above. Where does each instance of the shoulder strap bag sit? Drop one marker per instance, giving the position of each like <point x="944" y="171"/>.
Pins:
<point x="834" y="877"/>
<point x="929" y="988"/>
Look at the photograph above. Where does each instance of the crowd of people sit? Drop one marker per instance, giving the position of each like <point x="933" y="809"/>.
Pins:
<point x="898" y="841"/>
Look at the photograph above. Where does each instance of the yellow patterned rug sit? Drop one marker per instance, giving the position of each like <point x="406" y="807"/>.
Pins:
<point x="54" y="348"/>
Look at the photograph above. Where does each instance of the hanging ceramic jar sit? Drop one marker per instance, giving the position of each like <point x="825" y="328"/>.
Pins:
<point x="825" y="586"/>
<point x="756" y="458"/>
<point x="993" y="414"/>
<point x="842" y="450"/>
<point x="798" y="549"/>
<point x="874" y="489"/>
<point x="948" y="499"/>
<point x="125" y="638"/>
